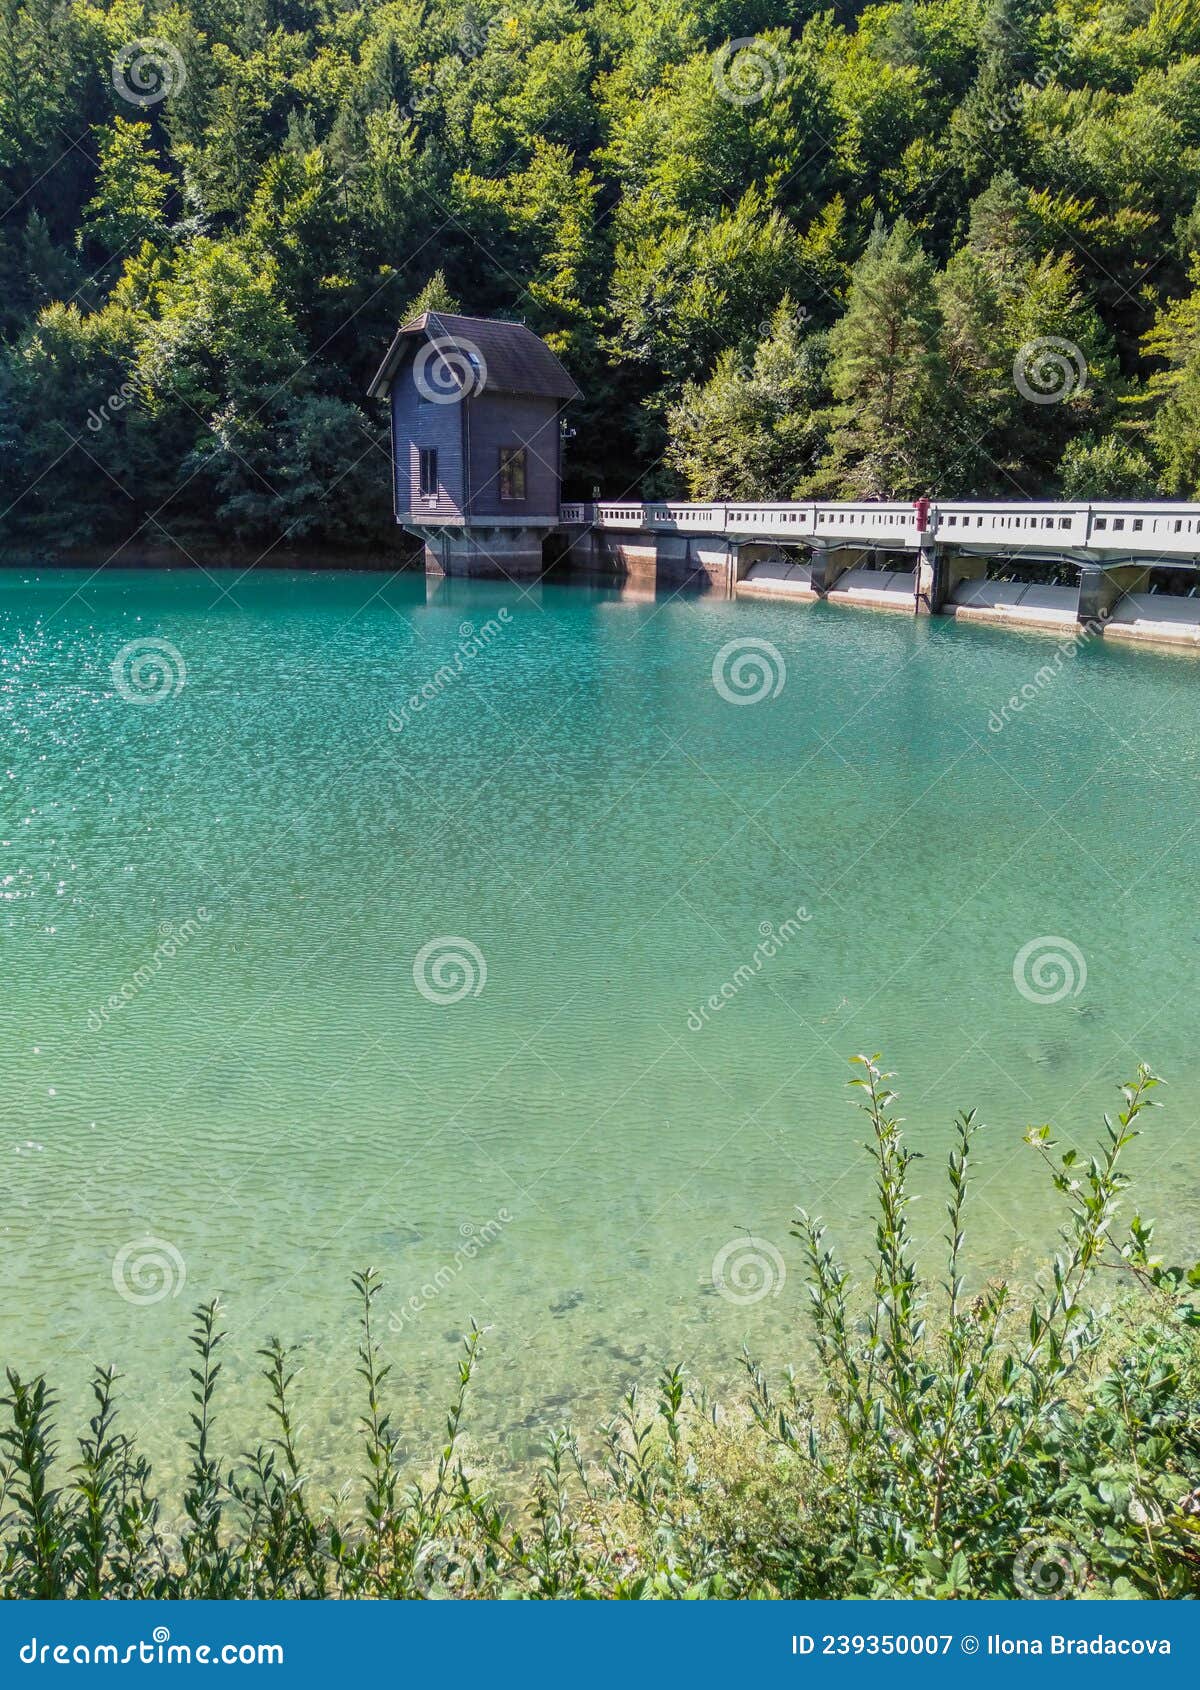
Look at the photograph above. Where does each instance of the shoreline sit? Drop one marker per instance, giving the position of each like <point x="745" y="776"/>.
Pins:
<point x="210" y="556"/>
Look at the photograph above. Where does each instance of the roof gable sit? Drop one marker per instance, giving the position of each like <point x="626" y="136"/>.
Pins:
<point x="476" y="355"/>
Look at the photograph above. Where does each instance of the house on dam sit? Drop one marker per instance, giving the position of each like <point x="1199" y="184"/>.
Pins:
<point x="477" y="431"/>
<point x="476" y="411"/>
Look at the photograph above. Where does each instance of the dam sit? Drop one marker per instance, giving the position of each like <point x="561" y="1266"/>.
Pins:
<point x="1126" y="571"/>
<point x="478" y="426"/>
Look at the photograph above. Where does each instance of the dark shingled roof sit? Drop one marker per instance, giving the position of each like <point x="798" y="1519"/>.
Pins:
<point x="515" y="359"/>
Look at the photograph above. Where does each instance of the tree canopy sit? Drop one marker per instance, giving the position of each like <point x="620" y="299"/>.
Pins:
<point x="926" y="246"/>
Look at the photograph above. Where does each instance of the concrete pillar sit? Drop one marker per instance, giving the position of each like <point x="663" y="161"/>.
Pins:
<point x="927" y="580"/>
<point x="1100" y="588"/>
<point x="958" y="567"/>
<point x="505" y="553"/>
<point x="831" y="561"/>
<point x="936" y="574"/>
<point x="702" y="561"/>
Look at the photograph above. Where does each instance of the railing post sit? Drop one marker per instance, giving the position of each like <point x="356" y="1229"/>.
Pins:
<point x="927" y="585"/>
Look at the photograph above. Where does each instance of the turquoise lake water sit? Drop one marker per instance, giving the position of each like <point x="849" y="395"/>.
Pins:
<point x="268" y="1100"/>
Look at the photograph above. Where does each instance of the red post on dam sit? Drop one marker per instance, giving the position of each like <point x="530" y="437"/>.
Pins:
<point x="927" y="588"/>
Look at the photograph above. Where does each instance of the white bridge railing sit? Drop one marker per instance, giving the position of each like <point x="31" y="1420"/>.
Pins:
<point x="1133" y="530"/>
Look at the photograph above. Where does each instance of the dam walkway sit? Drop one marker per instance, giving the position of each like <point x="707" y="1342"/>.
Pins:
<point x="1129" y="570"/>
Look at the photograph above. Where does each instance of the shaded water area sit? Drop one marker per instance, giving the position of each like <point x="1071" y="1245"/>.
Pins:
<point x="563" y="1155"/>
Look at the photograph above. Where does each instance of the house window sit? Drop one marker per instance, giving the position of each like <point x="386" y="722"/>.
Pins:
<point x="429" y="473"/>
<point x="512" y="472"/>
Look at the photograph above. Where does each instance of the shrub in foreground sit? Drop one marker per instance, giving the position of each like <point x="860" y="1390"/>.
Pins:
<point x="954" y="1444"/>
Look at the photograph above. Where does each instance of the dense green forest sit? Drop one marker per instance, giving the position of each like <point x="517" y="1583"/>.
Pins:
<point x="785" y="248"/>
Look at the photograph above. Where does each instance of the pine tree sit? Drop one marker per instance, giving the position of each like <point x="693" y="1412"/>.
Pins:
<point x="887" y="370"/>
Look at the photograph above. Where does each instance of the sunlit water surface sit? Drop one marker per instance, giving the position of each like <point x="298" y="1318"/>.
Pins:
<point x="562" y="1156"/>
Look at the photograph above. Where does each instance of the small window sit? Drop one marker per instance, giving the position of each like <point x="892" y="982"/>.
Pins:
<point x="1118" y="522"/>
<point x="1101" y="522"/>
<point x="512" y="472"/>
<point x="1137" y="524"/>
<point x="429" y="473"/>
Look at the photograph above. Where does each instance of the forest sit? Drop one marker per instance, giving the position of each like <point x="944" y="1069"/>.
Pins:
<point x="785" y="248"/>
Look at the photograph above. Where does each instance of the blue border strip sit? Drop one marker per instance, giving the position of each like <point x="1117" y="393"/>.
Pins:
<point x="581" y="1644"/>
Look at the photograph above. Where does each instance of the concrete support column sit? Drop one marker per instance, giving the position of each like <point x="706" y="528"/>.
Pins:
<point x="831" y="561"/>
<point x="956" y="568"/>
<point x="703" y="561"/>
<point x="936" y="574"/>
<point x="1101" y="588"/>
<point x="927" y="580"/>
<point x="506" y="553"/>
<point x="585" y="549"/>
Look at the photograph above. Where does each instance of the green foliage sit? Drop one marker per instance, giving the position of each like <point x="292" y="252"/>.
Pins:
<point x="1006" y="1441"/>
<point x="754" y="432"/>
<point x="886" y="370"/>
<point x="954" y="1439"/>
<point x="131" y="190"/>
<point x="1175" y="424"/>
<point x="1107" y="468"/>
<point x="936" y="184"/>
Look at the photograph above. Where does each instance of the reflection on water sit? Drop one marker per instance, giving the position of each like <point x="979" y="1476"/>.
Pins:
<point x="554" y="1149"/>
